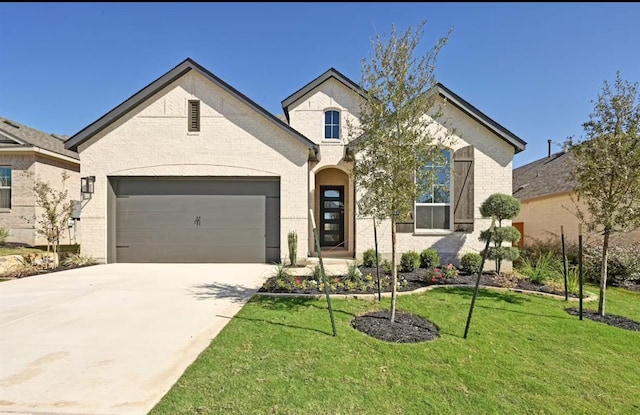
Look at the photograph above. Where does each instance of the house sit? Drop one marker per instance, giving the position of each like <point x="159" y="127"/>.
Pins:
<point x="189" y="169"/>
<point x="26" y="154"/>
<point x="545" y="190"/>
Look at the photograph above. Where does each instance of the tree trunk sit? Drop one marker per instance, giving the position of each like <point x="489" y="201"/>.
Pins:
<point x="603" y="272"/>
<point x="394" y="272"/>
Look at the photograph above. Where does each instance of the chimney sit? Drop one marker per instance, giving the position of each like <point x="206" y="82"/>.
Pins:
<point x="549" y="151"/>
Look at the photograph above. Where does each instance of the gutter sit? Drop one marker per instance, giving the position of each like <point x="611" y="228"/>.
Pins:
<point x="42" y="151"/>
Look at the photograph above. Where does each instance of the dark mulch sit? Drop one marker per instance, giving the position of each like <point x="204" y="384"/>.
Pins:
<point x="407" y="328"/>
<point x="610" y="319"/>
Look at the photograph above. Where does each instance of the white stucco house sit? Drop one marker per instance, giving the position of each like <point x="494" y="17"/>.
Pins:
<point x="189" y="169"/>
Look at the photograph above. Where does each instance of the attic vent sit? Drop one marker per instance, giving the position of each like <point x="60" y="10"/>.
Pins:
<point x="11" y="124"/>
<point x="194" y="115"/>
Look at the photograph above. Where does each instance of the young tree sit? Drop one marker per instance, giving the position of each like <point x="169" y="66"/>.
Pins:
<point x="607" y="167"/>
<point x="500" y="207"/>
<point x="56" y="211"/>
<point x="397" y="139"/>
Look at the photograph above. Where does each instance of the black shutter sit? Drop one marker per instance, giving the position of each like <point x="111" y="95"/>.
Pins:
<point x="194" y="115"/>
<point x="463" y="190"/>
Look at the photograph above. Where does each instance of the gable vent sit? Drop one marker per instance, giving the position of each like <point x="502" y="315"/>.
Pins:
<point x="194" y="115"/>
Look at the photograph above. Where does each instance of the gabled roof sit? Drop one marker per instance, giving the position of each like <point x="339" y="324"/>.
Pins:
<point x="477" y="115"/>
<point x="16" y="135"/>
<point x="166" y="79"/>
<point x="331" y="73"/>
<point x="547" y="176"/>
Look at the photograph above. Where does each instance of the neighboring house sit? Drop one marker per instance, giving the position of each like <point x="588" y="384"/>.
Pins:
<point x="26" y="154"/>
<point x="545" y="190"/>
<point x="189" y="169"/>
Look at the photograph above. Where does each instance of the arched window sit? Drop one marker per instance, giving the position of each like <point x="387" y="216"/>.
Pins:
<point x="433" y="208"/>
<point x="331" y="124"/>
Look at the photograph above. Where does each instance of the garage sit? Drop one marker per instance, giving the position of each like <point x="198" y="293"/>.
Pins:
<point x="178" y="220"/>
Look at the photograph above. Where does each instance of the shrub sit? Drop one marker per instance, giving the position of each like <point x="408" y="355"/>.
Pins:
<point x="623" y="265"/>
<point x="539" y="248"/>
<point x="353" y="273"/>
<point x="500" y="205"/>
<point x="471" y="262"/>
<point x="546" y="268"/>
<point x="410" y="261"/>
<point x="449" y="272"/>
<point x="281" y="273"/>
<point x="292" y="240"/>
<point x="4" y="234"/>
<point x="369" y="258"/>
<point x="429" y="258"/>
<point x="78" y="260"/>
<point x="386" y="266"/>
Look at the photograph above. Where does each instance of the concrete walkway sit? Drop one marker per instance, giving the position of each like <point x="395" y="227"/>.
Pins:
<point x="111" y="339"/>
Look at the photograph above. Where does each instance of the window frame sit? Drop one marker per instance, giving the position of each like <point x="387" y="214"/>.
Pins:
<point x="9" y="188"/>
<point x="332" y="125"/>
<point x="416" y="204"/>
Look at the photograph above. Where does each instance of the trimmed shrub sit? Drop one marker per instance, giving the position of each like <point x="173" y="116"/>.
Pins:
<point x="386" y="266"/>
<point x="410" y="261"/>
<point x="429" y="258"/>
<point x="292" y="240"/>
<point x="500" y="205"/>
<point x="471" y="262"/>
<point x="369" y="258"/>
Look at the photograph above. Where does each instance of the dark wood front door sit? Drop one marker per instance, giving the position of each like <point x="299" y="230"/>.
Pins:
<point x="332" y="216"/>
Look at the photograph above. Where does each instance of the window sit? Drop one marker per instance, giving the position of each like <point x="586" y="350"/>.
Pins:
<point x="433" y="208"/>
<point x="332" y="124"/>
<point x="194" y="115"/>
<point x="5" y="187"/>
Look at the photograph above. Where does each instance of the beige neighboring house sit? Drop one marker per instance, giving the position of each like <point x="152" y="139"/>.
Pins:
<point x="545" y="190"/>
<point x="26" y="153"/>
<point x="189" y="169"/>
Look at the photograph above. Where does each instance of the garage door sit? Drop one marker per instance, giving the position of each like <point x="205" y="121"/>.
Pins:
<point x="196" y="220"/>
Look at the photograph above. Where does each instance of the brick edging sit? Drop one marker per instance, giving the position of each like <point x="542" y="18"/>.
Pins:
<point x="589" y="297"/>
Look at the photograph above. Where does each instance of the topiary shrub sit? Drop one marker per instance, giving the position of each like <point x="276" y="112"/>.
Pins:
<point x="471" y="262"/>
<point x="410" y="261"/>
<point x="369" y="258"/>
<point x="429" y="258"/>
<point x="501" y="206"/>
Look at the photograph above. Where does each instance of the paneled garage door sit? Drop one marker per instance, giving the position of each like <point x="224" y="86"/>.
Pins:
<point x="196" y="220"/>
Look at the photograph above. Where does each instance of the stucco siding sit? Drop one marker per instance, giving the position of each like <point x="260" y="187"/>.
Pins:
<point x="543" y="217"/>
<point x="234" y="140"/>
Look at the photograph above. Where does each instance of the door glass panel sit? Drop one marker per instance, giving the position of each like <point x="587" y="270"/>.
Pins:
<point x="331" y="193"/>
<point x="332" y="204"/>
<point x="330" y="237"/>
<point x="331" y="226"/>
<point x="331" y="215"/>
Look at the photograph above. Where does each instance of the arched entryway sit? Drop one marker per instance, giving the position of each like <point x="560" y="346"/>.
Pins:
<point x="334" y="211"/>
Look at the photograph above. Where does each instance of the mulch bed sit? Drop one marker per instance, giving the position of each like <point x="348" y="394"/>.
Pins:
<point x="407" y="328"/>
<point x="17" y="274"/>
<point x="610" y="319"/>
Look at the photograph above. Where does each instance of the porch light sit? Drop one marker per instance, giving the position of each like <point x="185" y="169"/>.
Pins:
<point x="86" y="184"/>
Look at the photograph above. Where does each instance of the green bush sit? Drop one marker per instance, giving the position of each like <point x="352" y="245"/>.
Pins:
<point x="500" y="205"/>
<point x="623" y="264"/>
<point x="386" y="266"/>
<point x="429" y="258"/>
<point x="471" y="262"/>
<point x="4" y="234"/>
<point x="369" y="258"/>
<point x="353" y="273"/>
<point x="282" y="273"/>
<point x="292" y="240"/>
<point x="79" y="260"/>
<point x="539" y="248"/>
<point x="410" y="261"/>
<point x="545" y="268"/>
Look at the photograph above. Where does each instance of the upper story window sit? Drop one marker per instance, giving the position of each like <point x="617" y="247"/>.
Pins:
<point x="194" y="115"/>
<point x="5" y="187"/>
<point x="433" y="208"/>
<point x="332" y="124"/>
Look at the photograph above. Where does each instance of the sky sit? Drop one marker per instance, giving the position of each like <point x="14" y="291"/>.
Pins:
<point x="532" y="67"/>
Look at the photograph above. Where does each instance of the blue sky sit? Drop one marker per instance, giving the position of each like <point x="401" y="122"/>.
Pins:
<point x="532" y="67"/>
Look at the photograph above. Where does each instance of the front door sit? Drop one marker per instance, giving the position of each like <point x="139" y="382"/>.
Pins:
<point x="332" y="216"/>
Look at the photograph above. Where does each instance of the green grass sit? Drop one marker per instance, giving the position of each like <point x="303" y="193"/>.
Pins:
<point x="18" y="251"/>
<point x="524" y="355"/>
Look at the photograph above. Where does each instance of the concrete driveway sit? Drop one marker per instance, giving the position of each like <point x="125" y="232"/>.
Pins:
<point x="111" y="339"/>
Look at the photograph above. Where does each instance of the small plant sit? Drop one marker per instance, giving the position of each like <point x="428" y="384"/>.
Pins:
<point x="450" y="272"/>
<point x="353" y="273"/>
<point x="410" y="261"/>
<point x="292" y="240"/>
<point x="434" y="275"/>
<point x="546" y="268"/>
<point x="281" y="273"/>
<point x="429" y="258"/>
<point x="471" y="262"/>
<point x="369" y="258"/>
<point x="79" y="260"/>
<point x="4" y="234"/>
<point x="386" y="266"/>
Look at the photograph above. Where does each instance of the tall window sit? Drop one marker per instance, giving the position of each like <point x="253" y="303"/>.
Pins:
<point x="331" y="124"/>
<point x="433" y="208"/>
<point x="5" y="187"/>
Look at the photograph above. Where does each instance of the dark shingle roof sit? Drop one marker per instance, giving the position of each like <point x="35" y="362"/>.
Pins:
<point x="34" y="138"/>
<point x="543" y="177"/>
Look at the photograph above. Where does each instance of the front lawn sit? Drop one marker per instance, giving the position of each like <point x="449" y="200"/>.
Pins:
<point x="524" y="354"/>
